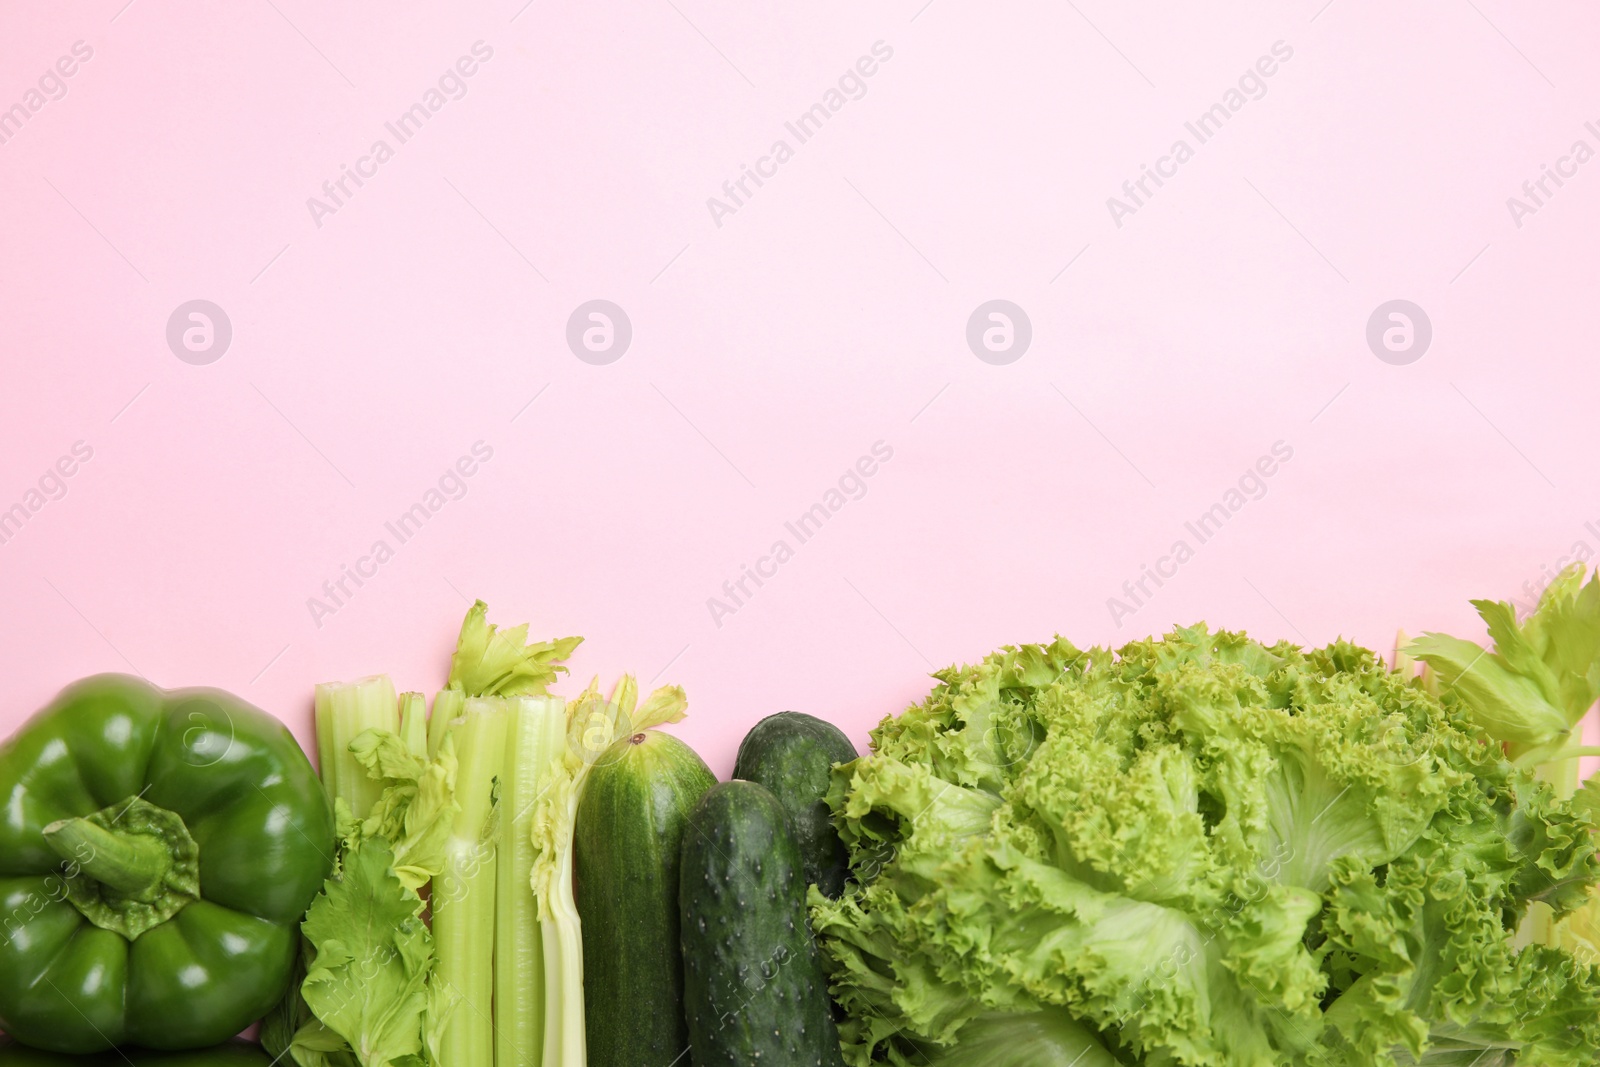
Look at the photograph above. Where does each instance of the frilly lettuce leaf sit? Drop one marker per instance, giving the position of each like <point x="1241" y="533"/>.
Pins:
<point x="1049" y="1038"/>
<point x="975" y="729"/>
<point x="1203" y="852"/>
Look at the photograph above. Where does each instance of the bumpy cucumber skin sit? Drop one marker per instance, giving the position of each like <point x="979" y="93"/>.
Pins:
<point x="627" y="847"/>
<point x="793" y="754"/>
<point x="754" y="988"/>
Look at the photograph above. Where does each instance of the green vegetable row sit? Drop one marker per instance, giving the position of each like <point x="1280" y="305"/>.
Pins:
<point x="1191" y="851"/>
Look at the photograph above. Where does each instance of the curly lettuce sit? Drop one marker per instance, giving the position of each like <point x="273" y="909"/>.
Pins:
<point x="1200" y="851"/>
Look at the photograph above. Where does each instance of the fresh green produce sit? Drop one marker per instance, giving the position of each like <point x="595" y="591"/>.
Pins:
<point x="367" y="978"/>
<point x="1531" y="694"/>
<point x="420" y="802"/>
<point x="536" y="732"/>
<point x="491" y="933"/>
<point x="1050" y="1038"/>
<point x="1204" y="851"/>
<point x="363" y="994"/>
<point x="477" y="801"/>
<point x="754" y="988"/>
<point x="594" y="724"/>
<point x="157" y="852"/>
<point x="626" y="850"/>
<point x="1543" y="676"/>
<point x="343" y="714"/>
<point x="463" y="897"/>
<point x="232" y="1054"/>
<point x="793" y="755"/>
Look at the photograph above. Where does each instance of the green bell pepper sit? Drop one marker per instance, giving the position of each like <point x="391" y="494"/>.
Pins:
<point x="233" y="1054"/>
<point x="158" y="851"/>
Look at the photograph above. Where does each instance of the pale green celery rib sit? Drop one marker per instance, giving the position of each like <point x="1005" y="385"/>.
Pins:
<point x="1562" y="774"/>
<point x="327" y="765"/>
<point x="343" y="712"/>
<point x="564" y="1036"/>
<point x="535" y="736"/>
<point x="447" y="707"/>
<point x="414" y="724"/>
<point x="464" y="893"/>
<point x="1404" y="664"/>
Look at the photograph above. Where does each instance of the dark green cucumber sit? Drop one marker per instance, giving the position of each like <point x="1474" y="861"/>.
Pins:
<point x="793" y="755"/>
<point x="627" y="845"/>
<point x="754" y="988"/>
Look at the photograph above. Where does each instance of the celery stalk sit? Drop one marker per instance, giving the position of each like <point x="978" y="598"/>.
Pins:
<point x="1404" y="663"/>
<point x="504" y="932"/>
<point x="448" y="705"/>
<point x="414" y="724"/>
<point x="535" y="734"/>
<point x="561" y="927"/>
<point x="343" y="713"/>
<point x="464" y="892"/>
<point x="327" y="766"/>
<point x="562" y="934"/>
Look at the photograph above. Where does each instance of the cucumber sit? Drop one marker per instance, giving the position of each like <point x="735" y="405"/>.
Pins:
<point x="793" y="755"/>
<point x="754" y="988"/>
<point x="627" y="845"/>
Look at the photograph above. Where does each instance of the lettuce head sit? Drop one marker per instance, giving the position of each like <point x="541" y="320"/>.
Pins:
<point x="1201" y="851"/>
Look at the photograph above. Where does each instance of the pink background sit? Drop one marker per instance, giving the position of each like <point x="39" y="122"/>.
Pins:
<point x="770" y="352"/>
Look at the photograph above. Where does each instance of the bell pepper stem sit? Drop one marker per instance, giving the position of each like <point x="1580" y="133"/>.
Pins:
<point x="131" y="864"/>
